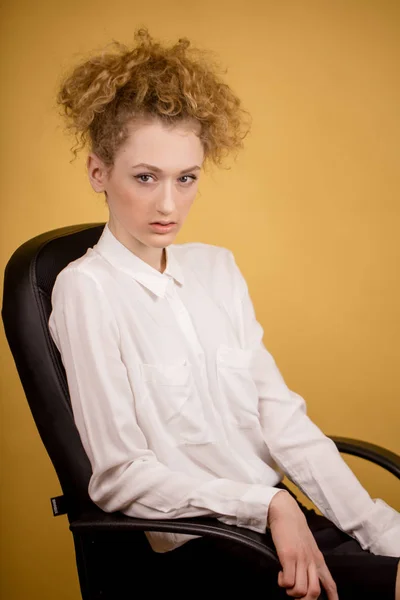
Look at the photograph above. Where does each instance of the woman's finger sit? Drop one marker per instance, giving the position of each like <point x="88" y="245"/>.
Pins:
<point x="286" y="577"/>
<point x="327" y="582"/>
<point x="314" y="588"/>
<point x="299" y="590"/>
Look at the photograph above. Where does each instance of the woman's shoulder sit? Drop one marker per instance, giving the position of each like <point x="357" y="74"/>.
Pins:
<point x="86" y="268"/>
<point x="214" y="265"/>
<point x="201" y="254"/>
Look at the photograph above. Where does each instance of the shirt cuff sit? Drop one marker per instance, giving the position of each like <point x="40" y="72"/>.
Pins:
<point x="253" y="507"/>
<point x="382" y="531"/>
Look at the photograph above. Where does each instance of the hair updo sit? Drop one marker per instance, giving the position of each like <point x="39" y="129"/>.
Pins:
<point x="106" y="93"/>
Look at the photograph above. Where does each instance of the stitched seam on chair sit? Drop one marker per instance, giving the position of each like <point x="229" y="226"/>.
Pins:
<point x="45" y="294"/>
<point x="50" y="344"/>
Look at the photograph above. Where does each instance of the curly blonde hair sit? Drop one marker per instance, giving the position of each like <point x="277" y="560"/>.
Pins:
<point x="106" y="93"/>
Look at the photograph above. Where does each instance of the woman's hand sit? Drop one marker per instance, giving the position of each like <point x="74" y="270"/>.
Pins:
<point x="303" y="564"/>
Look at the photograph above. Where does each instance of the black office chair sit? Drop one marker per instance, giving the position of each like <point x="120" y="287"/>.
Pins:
<point x="107" y="546"/>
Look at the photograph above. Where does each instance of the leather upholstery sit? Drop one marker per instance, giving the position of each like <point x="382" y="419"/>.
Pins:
<point x="29" y="278"/>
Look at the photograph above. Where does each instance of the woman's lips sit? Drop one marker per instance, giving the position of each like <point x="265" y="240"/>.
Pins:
<point x="158" y="228"/>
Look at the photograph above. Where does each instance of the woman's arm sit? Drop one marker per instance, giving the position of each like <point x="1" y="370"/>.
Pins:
<point x="127" y="476"/>
<point x="304" y="453"/>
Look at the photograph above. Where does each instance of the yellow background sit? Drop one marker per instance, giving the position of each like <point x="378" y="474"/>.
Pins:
<point x="310" y="209"/>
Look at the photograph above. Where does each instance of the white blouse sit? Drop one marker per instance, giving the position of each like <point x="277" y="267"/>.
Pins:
<point x="181" y="409"/>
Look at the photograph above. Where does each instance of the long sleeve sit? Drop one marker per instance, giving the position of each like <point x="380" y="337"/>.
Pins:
<point x="126" y="474"/>
<point x="309" y="458"/>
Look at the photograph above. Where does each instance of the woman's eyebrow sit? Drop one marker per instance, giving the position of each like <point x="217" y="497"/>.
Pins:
<point x="158" y="170"/>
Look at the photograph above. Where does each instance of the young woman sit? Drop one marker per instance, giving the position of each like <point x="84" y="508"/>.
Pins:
<point x="180" y="407"/>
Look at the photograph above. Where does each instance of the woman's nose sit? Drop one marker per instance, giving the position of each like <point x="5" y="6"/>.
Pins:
<point x="166" y="201"/>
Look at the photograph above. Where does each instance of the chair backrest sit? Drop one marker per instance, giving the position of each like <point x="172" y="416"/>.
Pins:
<point x="29" y="278"/>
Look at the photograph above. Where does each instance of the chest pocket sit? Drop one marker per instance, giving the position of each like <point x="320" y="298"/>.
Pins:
<point x="237" y="385"/>
<point x="171" y="394"/>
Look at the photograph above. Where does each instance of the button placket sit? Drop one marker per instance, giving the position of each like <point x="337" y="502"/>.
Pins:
<point x="184" y="321"/>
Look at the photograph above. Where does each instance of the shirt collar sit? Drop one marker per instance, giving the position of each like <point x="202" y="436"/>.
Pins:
<point x="123" y="259"/>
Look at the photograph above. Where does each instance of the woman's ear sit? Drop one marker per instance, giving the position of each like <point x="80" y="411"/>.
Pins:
<point x="97" y="172"/>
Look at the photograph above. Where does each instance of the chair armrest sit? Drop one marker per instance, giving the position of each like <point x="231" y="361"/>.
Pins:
<point x="99" y="521"/>
<point x="376" y="454"/>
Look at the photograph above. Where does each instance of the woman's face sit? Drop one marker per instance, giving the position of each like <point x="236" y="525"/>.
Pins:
<point x="154" y="179"/>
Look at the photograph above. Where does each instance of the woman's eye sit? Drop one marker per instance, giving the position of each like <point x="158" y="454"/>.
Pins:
<point x="144" y="178"/>
<point x="187" y="179"/>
